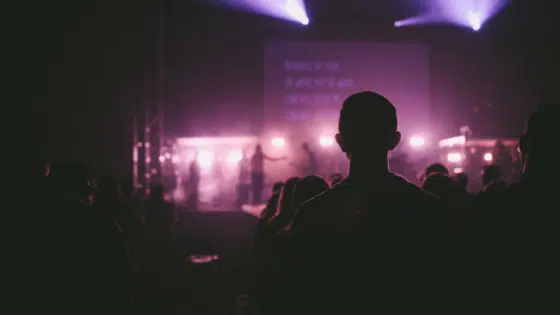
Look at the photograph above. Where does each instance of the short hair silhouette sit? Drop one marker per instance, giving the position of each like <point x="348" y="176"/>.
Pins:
<point x="491" y="173"/>
<point x="438" y="184"/>
<point x="309" y="187"/>
<point x="368" y="119"/>
<point x="436" y="168"/>
<point x="541" y="130"/>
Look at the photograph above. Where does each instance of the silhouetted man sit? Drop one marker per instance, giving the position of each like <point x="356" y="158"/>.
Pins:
<point x="310" y="166"/>
<point x="371" y="243"/>
<point x="82" y="251"/>
<point x="434" y="168"/>
<point x="257" y="172"/>
<point x="244" y="181"/>
<point x="193" y="186"/>
<point x="526" y="270"/>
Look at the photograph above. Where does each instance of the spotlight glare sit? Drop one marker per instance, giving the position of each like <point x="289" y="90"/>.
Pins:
<point x="326" y="141"/>
<point x="234" y="157"/>
<point x="488" y="157"/>
<point x="205" y="158"/>
<point x="454" y="157"/>
<point x="475" y="21"/>
<point x="417" y="142"/>
<point x="278" y="142"/>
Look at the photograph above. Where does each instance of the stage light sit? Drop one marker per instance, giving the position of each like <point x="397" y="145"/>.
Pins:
<point x="454" y="157"/>
<point x="475" y="21"/>
<point x="326" y="141"/>
<point x="488" y="157"/>
<point x="234" y="157"/>
<point x="167" y="155"/>
<point x="205" y="158"/>
<point x="305" y="21"/>
<point x="278" y="142"/>
<point x="162" y="158"/>
<point x="457" y="170"/>
<point x="417" y="142"/>
<point x="175" y="159"/>
<point x="178" y="194"/>
<point x="450" y="142"/>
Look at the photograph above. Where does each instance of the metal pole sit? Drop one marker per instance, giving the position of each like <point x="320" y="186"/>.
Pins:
<point x="161" y="88"/>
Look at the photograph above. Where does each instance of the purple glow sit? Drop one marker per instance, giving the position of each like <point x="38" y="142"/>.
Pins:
<point x="467" y="13"/>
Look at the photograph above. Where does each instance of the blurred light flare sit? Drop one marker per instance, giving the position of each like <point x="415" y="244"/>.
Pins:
<point x="205" y="158"/>
<point x="417" y="142"/>
<point x="234" y="157"/>
<point x="278" y="142"/>
<point x="488" y="157"/>
<point x="467" y="13"/>
<point x="326" y="141"/>
<point x="292" y="10"/>
<point x="454" y="157"/>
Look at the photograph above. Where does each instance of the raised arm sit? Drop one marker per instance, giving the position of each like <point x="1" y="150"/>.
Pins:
<point x="274" y="159"/>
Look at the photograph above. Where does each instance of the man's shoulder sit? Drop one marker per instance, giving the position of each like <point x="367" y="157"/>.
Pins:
<point x="323" y="204"/>
<point x="409" y="192"/>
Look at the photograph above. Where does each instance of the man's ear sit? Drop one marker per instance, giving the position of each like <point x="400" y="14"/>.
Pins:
<point x="341" y="143"/>
<point x="394" y="141"/>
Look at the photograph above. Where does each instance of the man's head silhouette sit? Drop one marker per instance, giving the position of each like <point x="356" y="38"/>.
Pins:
<point x="541" y="132"/>
<point x="367" y="125"/>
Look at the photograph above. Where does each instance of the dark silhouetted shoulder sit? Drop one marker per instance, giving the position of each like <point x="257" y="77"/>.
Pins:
<point x="386" y="236"/>
<point x="349" y="200"/>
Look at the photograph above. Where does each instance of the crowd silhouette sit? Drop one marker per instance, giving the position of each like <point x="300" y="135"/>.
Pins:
<point x="368" y="243"/>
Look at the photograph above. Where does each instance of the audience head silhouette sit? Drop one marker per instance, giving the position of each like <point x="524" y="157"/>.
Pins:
<point x="307" y="188"/>
<point x="438" y="184"/>
<point x="541" y="131"/>
<point x="436" y="168"/>
<point x="286" y="207"/>
<point x="367" y="125"/>
<point x="491" y="173"/>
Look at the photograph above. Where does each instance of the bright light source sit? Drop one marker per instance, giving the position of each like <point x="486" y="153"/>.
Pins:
<point x="326" y="141"/>
<point x="234" y="157"/>
<point x="466" y="13"/>
<point x="295" y="10"/>
<point x="450" y="142"/>
<point x="205" y="158"/>
<point x="475" y="21"/>
<point x="454" y="157"/>
<point x="162" y="158"/>
<point x="167" y="155"/>
<point x="488" y="157"/>
<point x="178" y="194"/>
<point x="278" y="142"/>
<point x="457" y="170"/>
<point x="175" y="159"/>
<point x="417" y="142"/>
